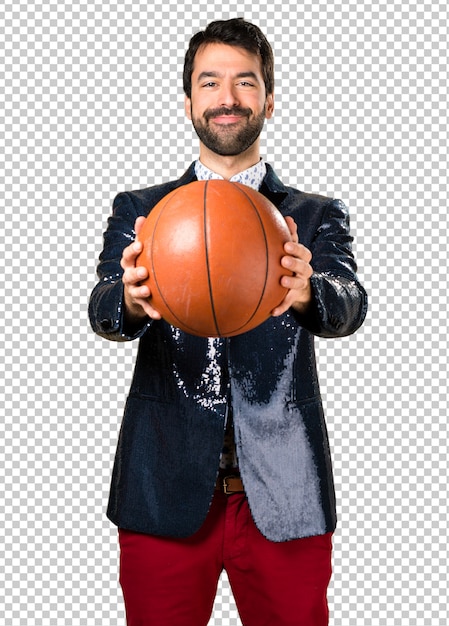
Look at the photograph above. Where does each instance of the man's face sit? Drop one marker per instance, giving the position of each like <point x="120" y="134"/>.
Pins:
<point x="228" y="105"/>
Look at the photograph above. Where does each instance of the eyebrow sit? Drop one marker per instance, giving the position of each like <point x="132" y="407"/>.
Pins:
<point x="213" y="74"/>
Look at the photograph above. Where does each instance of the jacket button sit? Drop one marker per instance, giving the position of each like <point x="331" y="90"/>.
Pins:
<point x="106" y="324"/>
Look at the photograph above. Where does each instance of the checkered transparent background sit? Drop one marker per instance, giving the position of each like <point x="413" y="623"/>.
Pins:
<point x="91" y="105"/>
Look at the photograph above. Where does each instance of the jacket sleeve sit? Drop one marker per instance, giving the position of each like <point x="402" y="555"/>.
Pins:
<point x="339" y="302"/>
<point x="106" y="313"/>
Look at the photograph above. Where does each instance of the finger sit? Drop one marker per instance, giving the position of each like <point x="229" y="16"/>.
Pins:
<point x="297" y="265"/>
<point x="278" y="311"/>
<point x="130" y="254"/>
<point x="296" y="282"/>
<point x="297" y="250"/>
<point x="293" y="228"/>
<point x="132" y="276"/>
<point x="283" y="306"/>
<point x="149" y="310"/>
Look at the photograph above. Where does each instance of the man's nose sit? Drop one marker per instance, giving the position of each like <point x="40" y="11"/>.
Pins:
<point x="228" y="96"/>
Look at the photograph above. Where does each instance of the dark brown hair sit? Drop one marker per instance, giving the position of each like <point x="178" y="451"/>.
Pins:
<point x="235" y="32"/>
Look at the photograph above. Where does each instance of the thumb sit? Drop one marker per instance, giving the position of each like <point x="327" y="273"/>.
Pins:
<point x="140" y="221"/>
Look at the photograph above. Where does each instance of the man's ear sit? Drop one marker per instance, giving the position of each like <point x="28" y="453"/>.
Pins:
<point x="269" y="106"/>
<point x="188" y="107"/>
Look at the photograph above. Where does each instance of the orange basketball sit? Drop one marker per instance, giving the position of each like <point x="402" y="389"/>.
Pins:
<point x="212" y="250"/>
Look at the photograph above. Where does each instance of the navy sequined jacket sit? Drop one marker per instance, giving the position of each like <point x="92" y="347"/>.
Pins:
<point x="171" y="436"/>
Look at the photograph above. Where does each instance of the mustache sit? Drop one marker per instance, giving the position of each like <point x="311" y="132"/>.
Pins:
<point x="235" y="110"/>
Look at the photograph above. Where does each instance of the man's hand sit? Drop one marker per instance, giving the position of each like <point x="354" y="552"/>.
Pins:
<point x="137" y="305"/>
<point x="297" y="260"/>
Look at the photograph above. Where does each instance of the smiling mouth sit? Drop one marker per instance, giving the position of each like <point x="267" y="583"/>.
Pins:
<point x="223" y="115"/>
<point x="227" y="119"/>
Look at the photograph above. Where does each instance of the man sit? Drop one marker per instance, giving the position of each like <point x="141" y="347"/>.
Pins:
<point x="223" y="459"/>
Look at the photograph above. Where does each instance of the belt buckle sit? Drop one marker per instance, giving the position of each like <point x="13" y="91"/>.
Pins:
<point x="227" y="489"/>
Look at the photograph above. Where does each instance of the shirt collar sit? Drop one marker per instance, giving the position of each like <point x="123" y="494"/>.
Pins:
<point x="252" y="177"/>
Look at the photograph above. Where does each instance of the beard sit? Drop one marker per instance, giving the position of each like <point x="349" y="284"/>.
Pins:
<point x="231" y="139"/>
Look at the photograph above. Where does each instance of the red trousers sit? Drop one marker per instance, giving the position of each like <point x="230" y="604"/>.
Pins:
<point x="173" y="582"/>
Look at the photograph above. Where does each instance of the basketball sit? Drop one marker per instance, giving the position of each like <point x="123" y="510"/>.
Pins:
<point x="212" y="250"/>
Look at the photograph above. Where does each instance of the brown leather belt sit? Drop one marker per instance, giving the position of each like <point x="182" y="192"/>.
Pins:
<point x="229" y="485"/>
